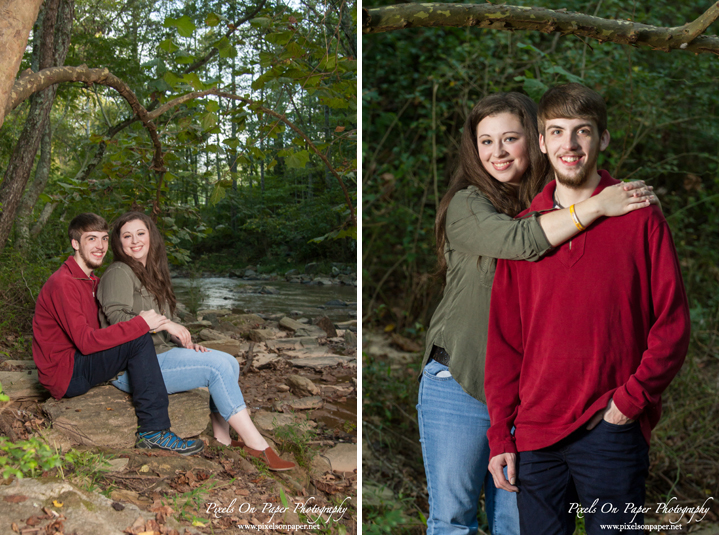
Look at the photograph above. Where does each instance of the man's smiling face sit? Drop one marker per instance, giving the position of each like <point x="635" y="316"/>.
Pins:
<point x="91" y="249"/>
<point x="573" y="146"/>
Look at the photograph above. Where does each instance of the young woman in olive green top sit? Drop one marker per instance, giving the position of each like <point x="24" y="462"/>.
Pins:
<point x="139" y="279"/>
<point x="501" y="170"/>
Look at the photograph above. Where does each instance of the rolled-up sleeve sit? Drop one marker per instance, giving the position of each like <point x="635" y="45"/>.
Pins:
<point x="474" y="226"/>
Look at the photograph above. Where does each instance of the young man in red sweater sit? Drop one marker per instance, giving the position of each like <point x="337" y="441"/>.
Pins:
<point x="582" y="343"/>
<point x="73" y="353"/>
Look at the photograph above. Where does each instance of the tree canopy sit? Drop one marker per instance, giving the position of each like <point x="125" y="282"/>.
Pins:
<point x="233" y="123"/>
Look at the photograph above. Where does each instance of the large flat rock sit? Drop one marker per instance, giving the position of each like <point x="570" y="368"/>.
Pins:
<point x="308" y="352"/>
<point x="263" y="360"/>
<point x="22" y="364"/>
<point x="316" y="363"/>
<point x="300" y="329"/>
<point x="22" y="385"/>
<point x="292" y="343"/>
<point x="342" y="458"/>
<point x="301" y="404"/>
<point x="105" y="416"/>
<point x="270" y="421"/>
<point x="84" y="512"/>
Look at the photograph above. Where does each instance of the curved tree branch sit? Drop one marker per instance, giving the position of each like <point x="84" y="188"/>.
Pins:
<point x="113" y="131"/>
<point x="694" y="29"/>
<point x="30" y="83"/>
<point x="511" y="18"/>
<point x="16" y="20"/>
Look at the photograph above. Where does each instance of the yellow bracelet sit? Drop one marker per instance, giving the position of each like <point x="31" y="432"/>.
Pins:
<point x="576" y="219"/>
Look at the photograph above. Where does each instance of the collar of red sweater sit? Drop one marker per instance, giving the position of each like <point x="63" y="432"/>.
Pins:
<point x="76" y="271"/>
<point x="545" y="200"/>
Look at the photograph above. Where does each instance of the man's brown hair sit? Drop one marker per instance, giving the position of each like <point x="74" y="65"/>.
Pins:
<point x="569" y="101"/>
<point x="87" y="222"/>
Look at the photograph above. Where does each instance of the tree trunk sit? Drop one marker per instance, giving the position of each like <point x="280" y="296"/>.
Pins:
<point x="56" y="29"/>
<point x="29" y="200"/>
<point x="16" y="20"/>
<point x="47" y="211"/>
<point x="328" y="140"/>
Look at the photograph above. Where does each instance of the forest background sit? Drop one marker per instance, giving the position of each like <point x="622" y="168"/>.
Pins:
<point x="232" y="123"/>
<point x="418" y="86"/>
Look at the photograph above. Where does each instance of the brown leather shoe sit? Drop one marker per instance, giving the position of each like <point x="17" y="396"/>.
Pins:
<point x="268" y="457"/>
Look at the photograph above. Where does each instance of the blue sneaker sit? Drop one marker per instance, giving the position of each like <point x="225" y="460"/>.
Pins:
<point x="168" y="441"/>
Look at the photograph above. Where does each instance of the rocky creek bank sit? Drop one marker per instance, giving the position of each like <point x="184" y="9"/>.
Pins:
<point x="298" y="377"/>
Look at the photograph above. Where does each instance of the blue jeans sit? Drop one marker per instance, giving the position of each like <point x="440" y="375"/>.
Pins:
<point x="138" y="355"/>
<point x="184" y="369"/>
<point x="608" y="464"/>
<point x="453" y="431"/>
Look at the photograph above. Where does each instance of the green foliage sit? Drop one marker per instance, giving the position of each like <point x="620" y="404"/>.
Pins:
<point x="29" y="457"/>
<point x="389" y="394"/>
<point x="391" y="520"/>
<point x="296" y="439"/>
<point x="86" y="468"/>
<point x="230" y="168"/>
<point x="21" y="279"/>
<point x="193" y="500"/>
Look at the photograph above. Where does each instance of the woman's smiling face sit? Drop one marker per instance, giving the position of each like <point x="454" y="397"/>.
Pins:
<point x="502" y="147"/>
<point x="135" y="240"/>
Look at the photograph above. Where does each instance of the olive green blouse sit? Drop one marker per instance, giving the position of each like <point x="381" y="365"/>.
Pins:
<point x="476" y="236"/>
<point x="122" y="297"/>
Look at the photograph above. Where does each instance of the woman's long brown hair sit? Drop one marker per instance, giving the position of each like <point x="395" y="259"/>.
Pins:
<point x="506" y="198"/>
<point x="155" y="275"/>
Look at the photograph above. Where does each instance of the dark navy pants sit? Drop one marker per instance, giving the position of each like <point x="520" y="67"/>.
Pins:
<point x="602" y="471"/>
<point x="139" y="359"/>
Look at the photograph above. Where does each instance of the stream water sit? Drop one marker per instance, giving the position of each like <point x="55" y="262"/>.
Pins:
<point x="308" y="299"/>
<point x="224" y="292"/>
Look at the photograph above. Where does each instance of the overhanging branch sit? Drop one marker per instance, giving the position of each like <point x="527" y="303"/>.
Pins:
<point x="511" y="18"/>
<point x="29" y="83"/>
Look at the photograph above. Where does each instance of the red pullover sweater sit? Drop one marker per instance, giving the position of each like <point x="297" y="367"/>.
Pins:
<point x="602" y="316"/>
<point x="66" y="320"/>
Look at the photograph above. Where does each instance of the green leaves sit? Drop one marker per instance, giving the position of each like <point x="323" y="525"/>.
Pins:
<point x="534" y="88"/>
<point x="225" y="48"/>
<point x="261" y="22"/>
<point x="212" y="20"/>
<point x="185" y="26"/>
<point x="218" y="193"/>
<point x="171" y="79"/>
<point x="279" y="38"/>
<point x="168" y="46"/>
<point x="209" y="120"/>
<point x="298" y="160"/>
<point x="231" y="142"/>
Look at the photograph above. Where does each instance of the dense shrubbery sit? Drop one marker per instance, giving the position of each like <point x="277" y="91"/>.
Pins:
<point x="20" y="282"/>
